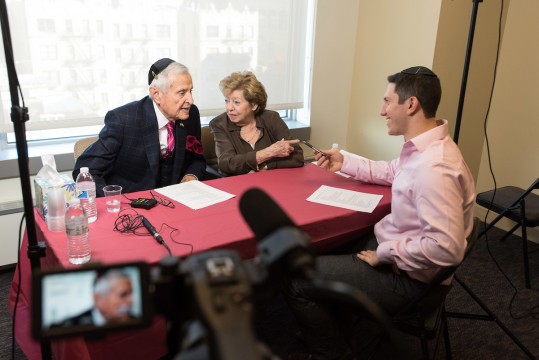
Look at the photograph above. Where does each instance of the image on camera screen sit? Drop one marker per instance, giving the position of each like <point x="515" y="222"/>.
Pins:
<point x="90" y="300"/>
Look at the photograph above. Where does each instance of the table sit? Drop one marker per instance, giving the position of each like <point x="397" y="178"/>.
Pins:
<point x="213" y="227"/>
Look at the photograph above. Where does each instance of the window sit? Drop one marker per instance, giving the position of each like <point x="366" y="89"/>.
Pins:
<point x="212" y="31"/>
<point x="100" y="58"/>
<point x="45" y="25"/>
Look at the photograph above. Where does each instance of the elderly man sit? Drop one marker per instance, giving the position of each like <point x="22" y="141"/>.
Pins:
<point x="113" y="301"/>
<point x="153" y="142"/>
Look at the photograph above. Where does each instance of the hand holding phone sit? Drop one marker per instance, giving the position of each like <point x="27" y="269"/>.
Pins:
<point x="315" y="148"/>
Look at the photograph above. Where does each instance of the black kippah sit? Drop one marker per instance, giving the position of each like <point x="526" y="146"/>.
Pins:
<point x="418" y="70"/>
<point x="157" y="67"/>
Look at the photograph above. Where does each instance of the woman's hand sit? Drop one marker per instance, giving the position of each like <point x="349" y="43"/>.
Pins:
<point x="281" y="148"/>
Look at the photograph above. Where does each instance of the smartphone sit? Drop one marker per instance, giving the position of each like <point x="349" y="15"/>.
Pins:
<point x="315" y="148"/>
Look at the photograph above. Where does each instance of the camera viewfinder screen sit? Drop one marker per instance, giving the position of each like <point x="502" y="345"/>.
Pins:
<point x="86" y="301"/>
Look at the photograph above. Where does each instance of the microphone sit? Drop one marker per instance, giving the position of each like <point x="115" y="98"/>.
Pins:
<point x="152" y="230"/>
<point x="262" y="214"/>
<point x="282" y="245"/>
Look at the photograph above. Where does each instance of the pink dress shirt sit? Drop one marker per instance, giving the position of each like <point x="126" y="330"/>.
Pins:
<point x="433" y="193"/>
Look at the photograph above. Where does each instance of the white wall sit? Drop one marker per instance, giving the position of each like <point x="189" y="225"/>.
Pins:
<point x="10" y="195"/>
<point x="9" y="238"/>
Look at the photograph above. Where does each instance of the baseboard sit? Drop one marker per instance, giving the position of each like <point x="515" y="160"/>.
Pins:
<point x="7" y="268"/>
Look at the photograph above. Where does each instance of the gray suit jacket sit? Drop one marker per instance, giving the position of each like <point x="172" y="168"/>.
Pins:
<point x="127" y="152"/>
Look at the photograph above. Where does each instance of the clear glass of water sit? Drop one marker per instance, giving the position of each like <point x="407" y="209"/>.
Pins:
<point x="112" y="197"/>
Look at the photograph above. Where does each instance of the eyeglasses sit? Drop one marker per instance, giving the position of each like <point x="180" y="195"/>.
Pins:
<point x="418" y="70"/>
<point x="163" y="202"/>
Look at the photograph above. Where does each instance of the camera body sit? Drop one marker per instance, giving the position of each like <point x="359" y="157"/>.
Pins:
<point x="216" y="288"/>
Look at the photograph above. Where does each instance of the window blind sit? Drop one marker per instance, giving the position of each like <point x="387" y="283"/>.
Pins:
<point x="77" y="59"/>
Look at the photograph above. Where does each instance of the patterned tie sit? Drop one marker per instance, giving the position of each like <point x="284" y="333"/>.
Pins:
<point x="170" y="138"/>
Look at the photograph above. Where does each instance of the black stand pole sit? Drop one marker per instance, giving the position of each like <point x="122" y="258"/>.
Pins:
<point x="19" y="115"/>
<point x="491" y="316"/>
<point x="465" y="69"/>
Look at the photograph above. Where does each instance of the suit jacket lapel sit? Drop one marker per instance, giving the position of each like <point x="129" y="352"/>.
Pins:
<point x="150" y="135"/>
<point x="179" y="149"/>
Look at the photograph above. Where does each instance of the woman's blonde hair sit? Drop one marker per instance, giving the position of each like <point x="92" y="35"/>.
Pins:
<point x="253" y="90"/>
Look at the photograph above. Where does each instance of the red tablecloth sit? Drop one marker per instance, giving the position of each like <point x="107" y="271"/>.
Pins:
<point x="216" y="226"/>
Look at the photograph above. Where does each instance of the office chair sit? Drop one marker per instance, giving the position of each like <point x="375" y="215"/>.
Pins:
<point x="208" y="144"/>
<point x="82" y="144"/>
<point x="518" y="205"/>
<point x="428" y="323"/>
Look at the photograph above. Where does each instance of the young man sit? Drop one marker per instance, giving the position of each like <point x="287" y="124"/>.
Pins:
<point x="137" y="150"/>
<point x="431" y="214"/>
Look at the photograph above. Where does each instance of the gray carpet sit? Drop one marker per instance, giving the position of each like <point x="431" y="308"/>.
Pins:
<point x="470" y="339"/>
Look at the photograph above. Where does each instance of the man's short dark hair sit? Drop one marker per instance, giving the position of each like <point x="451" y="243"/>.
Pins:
<point x="420" y="82"/>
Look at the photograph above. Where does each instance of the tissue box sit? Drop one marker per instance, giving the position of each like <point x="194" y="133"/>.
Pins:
<point x="41" y="190"/>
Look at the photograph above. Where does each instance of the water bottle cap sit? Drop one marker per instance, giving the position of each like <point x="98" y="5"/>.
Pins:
<point x="84" y="169"/>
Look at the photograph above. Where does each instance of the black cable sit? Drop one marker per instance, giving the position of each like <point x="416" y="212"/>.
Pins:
<point x="130" y="221"/>
<point x="178" y="242"/>
<point x="125" y="196"/>
<point x="534" y="311"/>
<point x="18" y="289"/>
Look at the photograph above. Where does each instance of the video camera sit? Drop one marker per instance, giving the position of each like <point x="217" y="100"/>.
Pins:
<point x="214" y="289"/>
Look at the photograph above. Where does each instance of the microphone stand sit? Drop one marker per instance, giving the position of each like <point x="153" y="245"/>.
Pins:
<point x="19" y="115"/>
<point x="465" y="69"/>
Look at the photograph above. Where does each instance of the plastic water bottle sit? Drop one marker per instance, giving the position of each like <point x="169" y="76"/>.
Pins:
<point x="85" y="186"/>
<point x="78" y="244"/>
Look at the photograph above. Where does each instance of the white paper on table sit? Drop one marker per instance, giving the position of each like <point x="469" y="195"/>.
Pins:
<point x="348" y="199"/>
<point x="195" y="194"/>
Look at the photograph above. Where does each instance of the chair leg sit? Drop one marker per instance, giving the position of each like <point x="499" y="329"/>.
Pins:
<point x="425" y="347"/>
<point x="447" y="341"/>
<point x="525" y="256"/>
<point x="525" y="243"/>
<point x="423" y="339"/>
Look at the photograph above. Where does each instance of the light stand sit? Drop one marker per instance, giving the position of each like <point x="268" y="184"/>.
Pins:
<point x="19" y="115"/>
<point x="465" y="69"/>
<point x="491" y="316"/>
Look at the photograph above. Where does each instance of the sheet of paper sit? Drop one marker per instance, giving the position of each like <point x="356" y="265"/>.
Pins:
<point x="195" y="194"/>
<point x="348" y="199"/>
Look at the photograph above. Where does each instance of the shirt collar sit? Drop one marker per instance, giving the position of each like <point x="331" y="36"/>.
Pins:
<point x="423" y="140"/>
<point x="161" y="119"/>
<point x="98" y="318"/>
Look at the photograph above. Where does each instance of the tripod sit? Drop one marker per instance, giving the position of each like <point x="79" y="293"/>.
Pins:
<point x="19" y="115"/>
<point x="490" y="315"/>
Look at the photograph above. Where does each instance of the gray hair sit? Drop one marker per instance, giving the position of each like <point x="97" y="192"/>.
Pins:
<point x="163" y="80"/>
<point x="102" y="283"/>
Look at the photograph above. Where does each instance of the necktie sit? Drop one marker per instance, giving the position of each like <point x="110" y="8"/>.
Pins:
<point x="170" y="138"/>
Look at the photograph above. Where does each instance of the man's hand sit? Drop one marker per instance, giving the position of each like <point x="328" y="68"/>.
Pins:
<point x="333" y="162"/>
<point x="370" y="257"/>
<point x="187" y="178"/>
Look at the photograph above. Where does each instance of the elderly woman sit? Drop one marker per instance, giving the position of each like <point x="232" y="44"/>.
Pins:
<point x="248" y="137"/>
